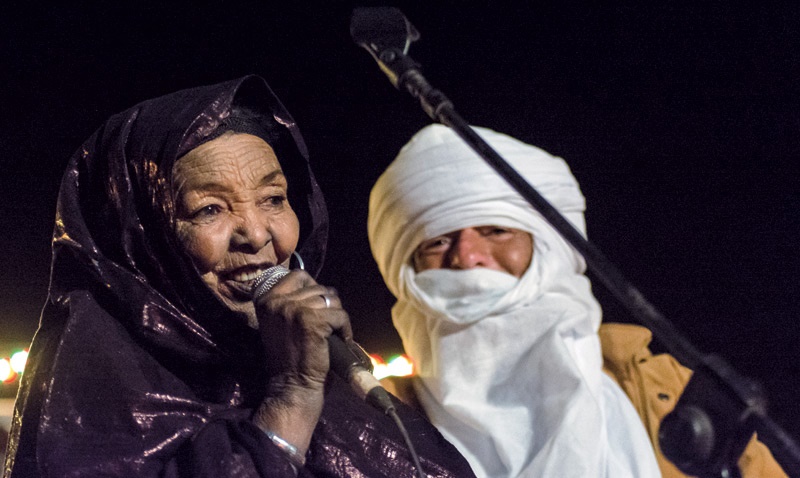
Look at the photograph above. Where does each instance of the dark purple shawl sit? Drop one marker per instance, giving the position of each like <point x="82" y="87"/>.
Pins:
<point x="135" y="369"/>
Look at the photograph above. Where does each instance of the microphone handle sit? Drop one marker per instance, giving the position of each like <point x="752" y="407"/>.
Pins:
<point x="346" y="365"/>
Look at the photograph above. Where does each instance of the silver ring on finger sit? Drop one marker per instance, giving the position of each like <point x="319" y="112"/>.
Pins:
<point x="327" y="301"/>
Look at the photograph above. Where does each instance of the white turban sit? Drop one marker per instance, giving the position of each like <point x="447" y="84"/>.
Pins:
<point x="437" y="184"/>
<point x="510" y="370"/>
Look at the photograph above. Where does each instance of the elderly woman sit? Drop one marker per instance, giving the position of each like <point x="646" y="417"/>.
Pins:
<point x="152" y="358"/>
<point x="495" y="310"/>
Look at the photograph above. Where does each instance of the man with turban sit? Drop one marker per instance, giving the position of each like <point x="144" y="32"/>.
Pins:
<point x="495" y="311"/>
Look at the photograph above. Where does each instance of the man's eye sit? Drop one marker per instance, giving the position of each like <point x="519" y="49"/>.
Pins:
<point x="434" y="244"/>
<point x="494" y="231"/>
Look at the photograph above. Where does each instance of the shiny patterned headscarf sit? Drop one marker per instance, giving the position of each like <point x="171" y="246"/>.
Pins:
<point x="137" y="369"/>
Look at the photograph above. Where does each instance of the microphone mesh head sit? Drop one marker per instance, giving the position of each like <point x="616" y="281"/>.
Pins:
<point x="264" y="282"/>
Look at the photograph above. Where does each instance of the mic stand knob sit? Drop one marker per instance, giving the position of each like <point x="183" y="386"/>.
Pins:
<point x="709" y="429"/>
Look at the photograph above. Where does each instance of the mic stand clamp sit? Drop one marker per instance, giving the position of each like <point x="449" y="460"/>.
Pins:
<point x="710" y="427"/>
<point x="403" y="72"/>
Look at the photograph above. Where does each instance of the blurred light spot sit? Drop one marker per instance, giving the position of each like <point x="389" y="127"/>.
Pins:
<point x="18" y="361"/>
<point x="399" y="366"/>
<point x="6" y="372"/>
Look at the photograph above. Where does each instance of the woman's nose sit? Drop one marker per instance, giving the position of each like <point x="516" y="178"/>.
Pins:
<point x="251" y="230"/>
<point x="470" y="250"/>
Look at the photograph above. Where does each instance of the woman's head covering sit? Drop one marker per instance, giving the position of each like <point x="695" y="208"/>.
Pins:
<point x="134" y="353"/>
<point x="510" y="370"/>
<point x="115" y="206"/>
<point x="137" y="369"/>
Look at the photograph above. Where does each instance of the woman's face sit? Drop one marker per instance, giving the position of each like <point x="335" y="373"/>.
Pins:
<point x="233" y="215"/>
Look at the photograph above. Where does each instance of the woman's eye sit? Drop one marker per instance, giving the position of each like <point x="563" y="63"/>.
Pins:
<point x="206" y="212"/>
<point x="277" y="200"/>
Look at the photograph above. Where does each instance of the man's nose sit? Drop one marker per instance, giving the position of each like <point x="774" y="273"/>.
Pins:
<point x="252" y="230"/>
<point x="470" y="250"/>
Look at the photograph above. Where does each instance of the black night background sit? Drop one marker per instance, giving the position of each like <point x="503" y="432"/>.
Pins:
<point x="680" y="119"/>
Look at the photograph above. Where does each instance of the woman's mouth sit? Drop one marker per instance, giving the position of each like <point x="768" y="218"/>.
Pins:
<point x="246" y="276"/>
<point x="240" y="282"/>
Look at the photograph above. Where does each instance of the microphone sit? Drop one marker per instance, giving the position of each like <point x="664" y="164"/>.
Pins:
<point x="386" y="34"/>
<point x="351" y="364"/>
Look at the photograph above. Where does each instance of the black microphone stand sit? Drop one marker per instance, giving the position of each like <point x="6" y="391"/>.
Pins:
<point x="719" y="410"/>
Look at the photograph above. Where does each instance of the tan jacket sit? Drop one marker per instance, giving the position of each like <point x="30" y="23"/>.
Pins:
<point x="652" y="382"/>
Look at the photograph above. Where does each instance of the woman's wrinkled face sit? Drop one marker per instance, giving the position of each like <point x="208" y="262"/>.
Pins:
<point x="233" y="216"/>
<point x="498" y="248"/>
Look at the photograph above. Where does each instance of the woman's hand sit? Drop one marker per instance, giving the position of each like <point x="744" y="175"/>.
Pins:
<point x="295" y="322"/>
